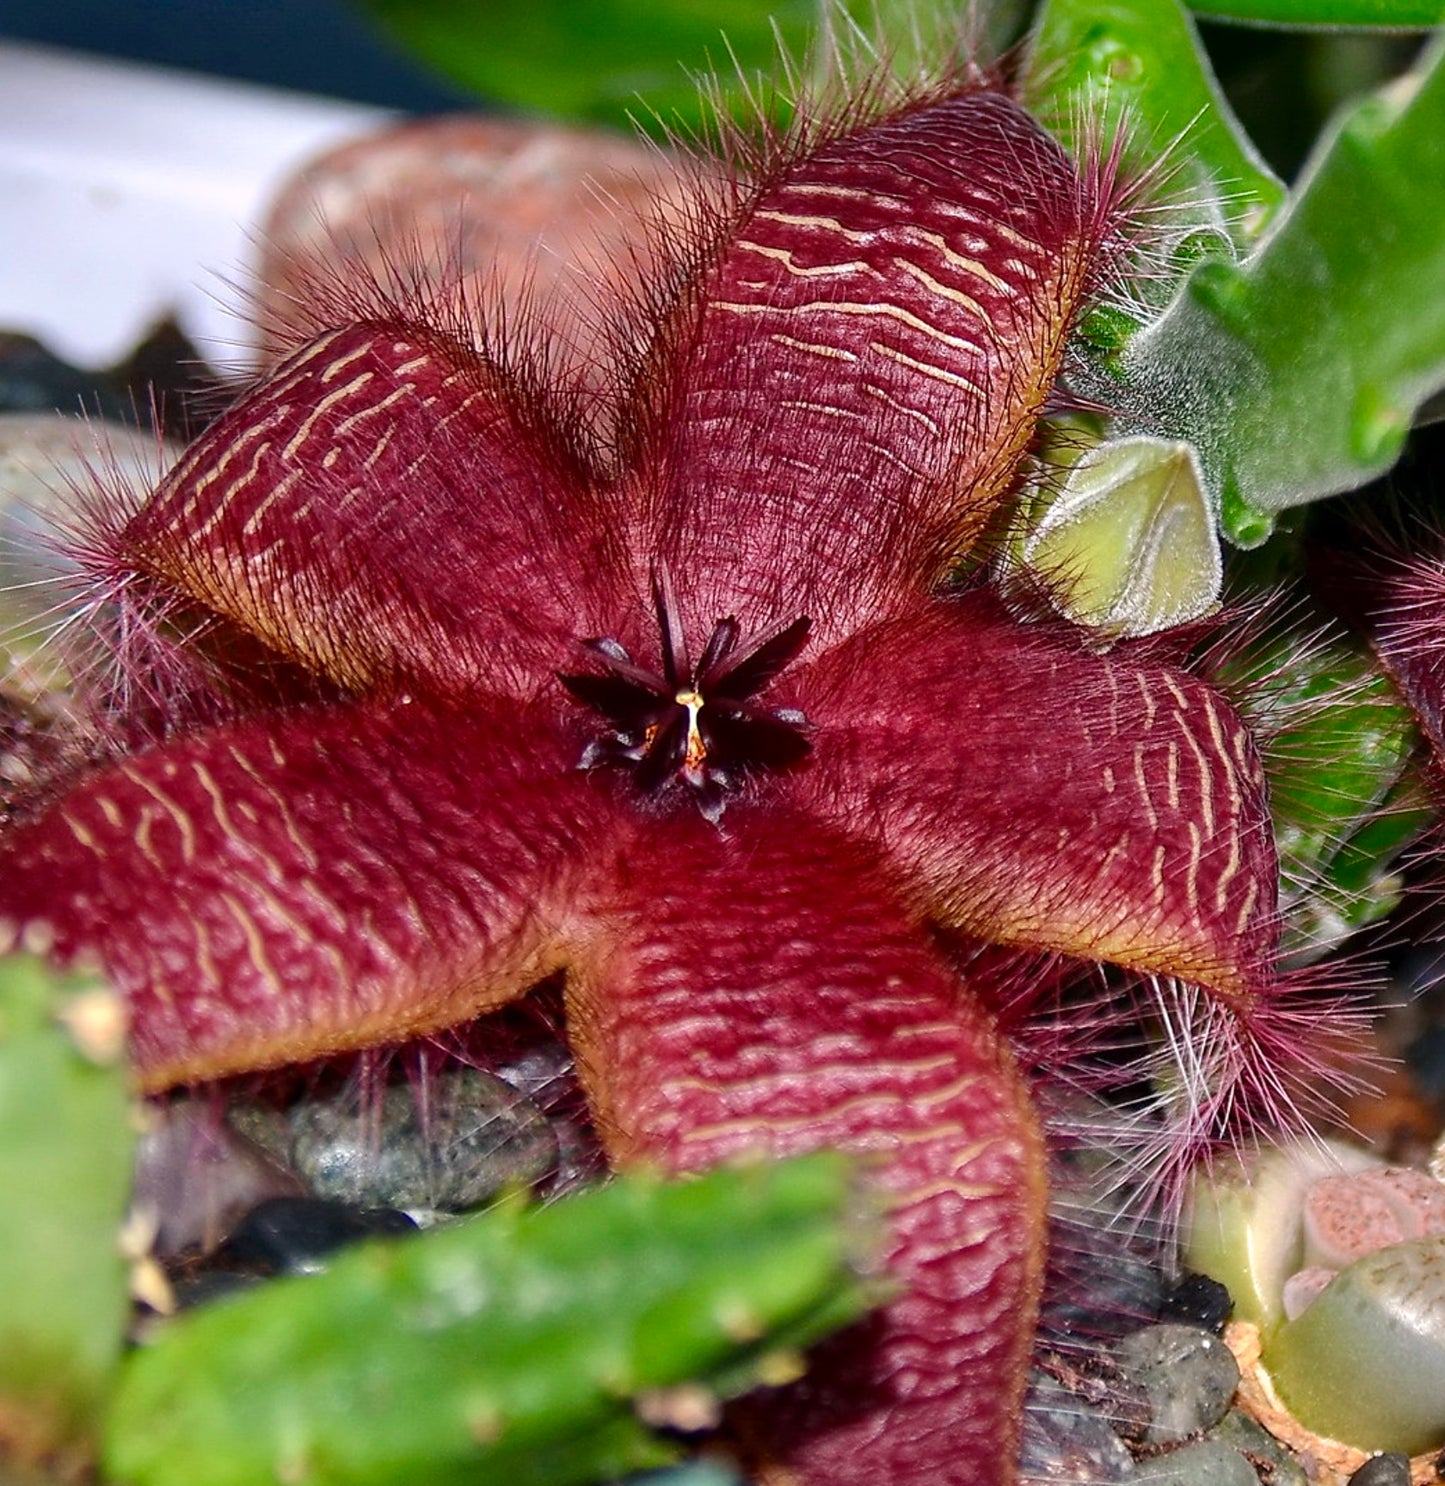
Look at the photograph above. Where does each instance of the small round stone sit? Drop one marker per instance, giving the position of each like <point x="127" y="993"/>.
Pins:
<point x="1198" y="1300"/>
<point x="200" y="1177"/>
<point x="1252" y="1439"/>
<point x="212" y="1284"/>
<point x="1204" y="1463"/>
<point x="1188" y="1374"/>
<point x="1066" y="1439"/>
<point x="1383" y="1470"/>
<point x="299" y="1235"/>
<point x="449" y="1143"/>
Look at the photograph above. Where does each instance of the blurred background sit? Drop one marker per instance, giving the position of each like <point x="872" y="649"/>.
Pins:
<point x="433" y="55"/>
<point x="140" y="142"/>
<point x="318" y="46"/>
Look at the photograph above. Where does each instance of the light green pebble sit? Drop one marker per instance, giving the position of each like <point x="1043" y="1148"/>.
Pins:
<point x="1206" y="1463"/>
<point x="1365" y="1363"/>
<point x="1242" y="1433"/>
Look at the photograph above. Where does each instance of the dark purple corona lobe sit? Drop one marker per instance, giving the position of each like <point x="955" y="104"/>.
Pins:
<point x="697" y="724"/>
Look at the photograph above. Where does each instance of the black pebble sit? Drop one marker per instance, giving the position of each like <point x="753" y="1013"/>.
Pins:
<point x="215" y="1284"/>
<point x="296" y="1235"/>
<point x="163" y="379"/>
<point x="1383" y="1470"/>
<point x="34" y="380"/>
<point x="1198" y="1300"/>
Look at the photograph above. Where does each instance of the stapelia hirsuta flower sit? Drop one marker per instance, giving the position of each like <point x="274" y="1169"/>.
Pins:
<point x="431" y="694"/>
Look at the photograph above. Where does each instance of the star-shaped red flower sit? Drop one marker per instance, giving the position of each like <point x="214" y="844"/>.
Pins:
<point x="434" y="696"/>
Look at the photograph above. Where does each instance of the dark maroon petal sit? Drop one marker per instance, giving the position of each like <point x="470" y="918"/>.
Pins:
<point x="760" y="988"/>
<point x="280" y="889"/>
<point x="620" y="664"/>
<point x="624" y="703"/>
<point x="384" y="508"/>
<point x="865" y="366"/>
<point x="537" y="221"/>
<point x="1044" y="795"/>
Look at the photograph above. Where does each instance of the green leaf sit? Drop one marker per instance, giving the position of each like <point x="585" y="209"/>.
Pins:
<point x="67" y="1138"/>
<point x="605" y="60"/>
<point x="1394" y="15"/>
<point x="1297" y="372"/>
<point x="1138" y="65"/>
<point x="531" y="1346"/>
<point x="1344" y="795"/>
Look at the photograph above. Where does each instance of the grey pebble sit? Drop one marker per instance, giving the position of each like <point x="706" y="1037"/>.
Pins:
<point x="1245" y="1434"/>
<point x="1383" y="1470"/>
<point x="1204" y="1463"/>
<point x="1188" y="1374"/>
<point x="1066" y="1439"/>
<point x="452" y="1143"/>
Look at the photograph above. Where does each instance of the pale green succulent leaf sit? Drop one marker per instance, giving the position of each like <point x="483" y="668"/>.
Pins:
<point x="1296" y="373"/>
<point x="1125" y="543"/>
<point x="1244" y="1223"/>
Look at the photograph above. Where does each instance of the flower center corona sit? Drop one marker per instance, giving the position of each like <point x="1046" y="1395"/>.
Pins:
<point x="695" y="724"/>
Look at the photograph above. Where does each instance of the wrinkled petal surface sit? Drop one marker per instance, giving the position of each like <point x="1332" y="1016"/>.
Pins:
<point x="386" y="507"/>
<point x="762" y="989"/>
<point x="274" y="891"/>
<point x="865" y="365"/>
<point x="1042" y="795"/>
<point x="532" y="223"/>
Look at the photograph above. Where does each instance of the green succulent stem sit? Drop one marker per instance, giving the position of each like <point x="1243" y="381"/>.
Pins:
<point x="67" y="1137"/>
<point x="1384" y="15"/>
<point x="527" y="1345"/>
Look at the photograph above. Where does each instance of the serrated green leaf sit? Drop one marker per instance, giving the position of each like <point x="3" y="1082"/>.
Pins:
<point x="1297" y="372"/>
<point x="1392" y="15"/>
<point x="517" y="1346"/>
<point x="1138" y="64"/>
